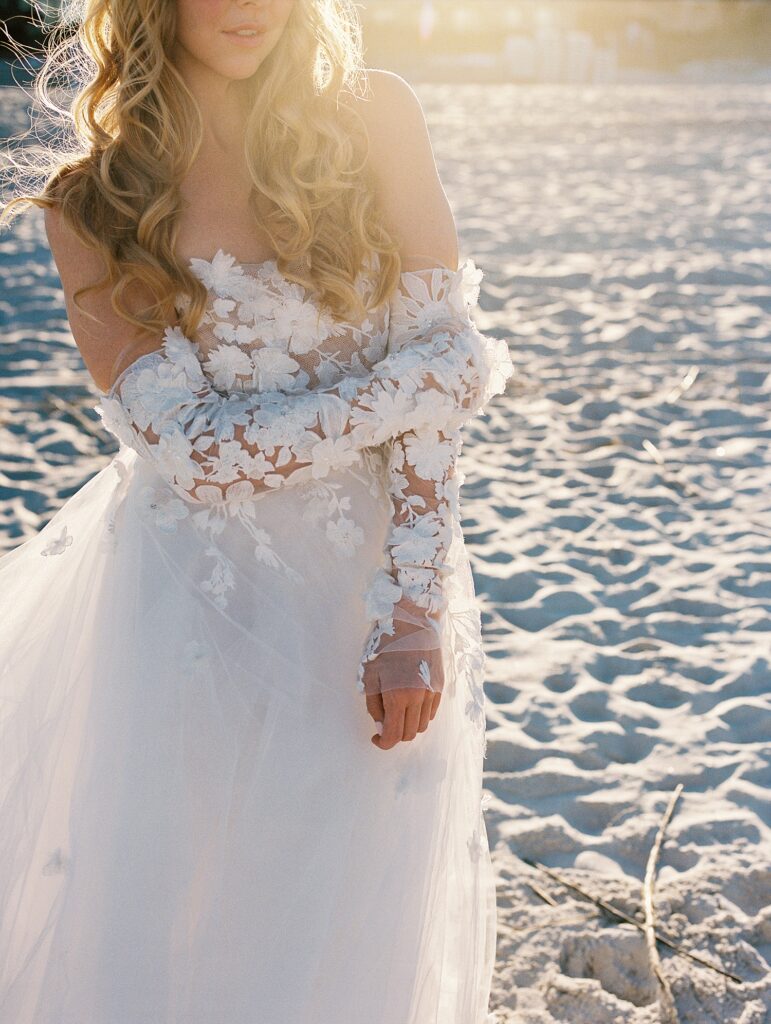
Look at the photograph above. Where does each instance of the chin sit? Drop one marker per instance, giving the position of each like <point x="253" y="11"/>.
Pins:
<point x="240" y="75"/>
<point x="234" y="67"/>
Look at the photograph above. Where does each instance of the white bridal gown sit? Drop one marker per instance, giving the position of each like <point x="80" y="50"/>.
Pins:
<point x="195" y="827"/>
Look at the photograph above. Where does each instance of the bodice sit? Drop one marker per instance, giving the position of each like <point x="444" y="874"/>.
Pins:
<point x="262" y="332"/>
<point x="377" y="403"/>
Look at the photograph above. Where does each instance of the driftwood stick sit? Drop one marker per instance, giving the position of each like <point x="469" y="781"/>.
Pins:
<point x="667" y="1008"/>
<point x="630" y="920"/>
<point x="542" y="894"/>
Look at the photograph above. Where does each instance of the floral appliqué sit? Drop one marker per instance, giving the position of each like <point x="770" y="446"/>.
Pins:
<point x="273" y="392"/>
<point x="59" y="544"/>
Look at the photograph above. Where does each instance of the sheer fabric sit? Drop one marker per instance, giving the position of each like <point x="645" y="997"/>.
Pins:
<point x="408" y="597"/>
<point x="213" y="447"/>
<point x="195" y="826"/>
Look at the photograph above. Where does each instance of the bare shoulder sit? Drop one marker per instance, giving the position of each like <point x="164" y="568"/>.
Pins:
<point x="107" y="342"/>
<point x="76" y="263"/>
<point x="403" y="166"/>
<point x="389" y="93"/>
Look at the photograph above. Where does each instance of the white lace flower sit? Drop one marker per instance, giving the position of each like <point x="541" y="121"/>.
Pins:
<point x="425" y="673"/>
<point x="375" y="350"/>
<point x="273" y="369"/>
<point x="222" y="307"/>
<point x="225" y="363"/>
<point x="219" y="274"/>
<point x="430" y="457"/>
<point x="345" y="534"/>
<point x="395" y="407"/>
<point x="114" y="418"/>
<point x="449" y="492"/>
<point x="263" y="550"/>
<point x="172" y="457"/>
<point x="254" y="467"/>
<point x="241" y="491"/>
<point x="276" y="431"/>
<point x="301" y="322"/>
<point x="421" y="586"/>
<point x="235" y="334"/>
<point x="329" y="454"/>
<point x="327" y="371"/>
<point x="317" y="505"/>
<point x="151" y="393"/>
<point x="472" y="277"/>
<point x="427" y="298"/>
<point x="222" y="578"/>
<point x="381" y="595"/>
<point x="59" y="544"/>
<point x="246" y="335"/>
<point x="388" y="409"/>
<point x="257" y="306"/>
<point x="418" y="542"/>
<point x="183" y="356"/>
<point x="211" y="517"/>
<point x="164" y="509"/>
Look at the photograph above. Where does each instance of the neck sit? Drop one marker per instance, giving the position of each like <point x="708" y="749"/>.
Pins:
<point x="222" y="102"/>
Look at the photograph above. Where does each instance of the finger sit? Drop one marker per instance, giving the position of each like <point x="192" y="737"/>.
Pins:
<point x="375" y="706"/>
<point x="411" y="721"/>
<point x="393" y="726"/>
<point x="435" y="704"/>
<point x="425" y="712"/>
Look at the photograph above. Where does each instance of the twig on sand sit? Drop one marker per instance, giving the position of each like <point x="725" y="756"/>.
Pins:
<point x="669" y="472"/>
<point x="630" y="920"/>
<point x="667" y="1007"/>
<point x="542" y="894"/>
<point x="679" y="390"/>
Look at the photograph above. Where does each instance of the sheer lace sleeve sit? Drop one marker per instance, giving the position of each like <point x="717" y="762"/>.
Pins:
<point x="407" y="600"/>
<point x="213" y="447"/>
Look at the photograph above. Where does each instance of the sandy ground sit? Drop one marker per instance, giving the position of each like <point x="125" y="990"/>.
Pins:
<point x="616" y="508"/>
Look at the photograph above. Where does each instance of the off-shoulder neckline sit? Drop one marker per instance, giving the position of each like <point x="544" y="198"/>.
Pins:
<point x="467" y="262"/>
<point x="273" y="261"/>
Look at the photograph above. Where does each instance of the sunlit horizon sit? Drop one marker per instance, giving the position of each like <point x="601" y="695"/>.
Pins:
<point x="531" y="41"/>
<point x="581" y="41"/>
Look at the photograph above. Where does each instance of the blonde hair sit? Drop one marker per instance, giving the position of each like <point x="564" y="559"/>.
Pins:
<point x="134" y="130"/>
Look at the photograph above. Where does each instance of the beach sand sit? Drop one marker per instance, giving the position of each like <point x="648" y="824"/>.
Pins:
<point x="616" y="507"/>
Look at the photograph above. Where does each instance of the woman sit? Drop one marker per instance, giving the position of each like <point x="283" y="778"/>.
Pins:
<point x="197" y="823"/>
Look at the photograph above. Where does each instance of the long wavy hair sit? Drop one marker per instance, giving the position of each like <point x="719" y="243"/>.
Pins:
<point x="132" y="129"/>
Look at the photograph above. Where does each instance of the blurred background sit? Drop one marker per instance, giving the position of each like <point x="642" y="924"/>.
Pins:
<point x="546" y="40"/>
<point x="608" y="163"/>
<point x="569" y="40"/>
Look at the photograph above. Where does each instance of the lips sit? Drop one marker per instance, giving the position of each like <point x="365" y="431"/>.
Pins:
<point x="250" y="26"/>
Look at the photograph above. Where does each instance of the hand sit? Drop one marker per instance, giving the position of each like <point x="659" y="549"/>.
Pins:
<point x="404" y="711"/>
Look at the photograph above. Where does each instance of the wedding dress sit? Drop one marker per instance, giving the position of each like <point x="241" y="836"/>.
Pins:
<point x="195" y="827"/>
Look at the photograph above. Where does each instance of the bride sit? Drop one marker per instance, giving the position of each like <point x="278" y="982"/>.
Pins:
<point x="242" y="721"/>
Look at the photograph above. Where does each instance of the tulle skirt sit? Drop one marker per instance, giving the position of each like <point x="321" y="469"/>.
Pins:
<point x="195" y="827"/>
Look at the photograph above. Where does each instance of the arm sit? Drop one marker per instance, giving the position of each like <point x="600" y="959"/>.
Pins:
<point x="212" y="447"/>
<point x="407" y="599"/>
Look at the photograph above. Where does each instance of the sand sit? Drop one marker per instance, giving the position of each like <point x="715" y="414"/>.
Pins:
<point x="616" y="508"/>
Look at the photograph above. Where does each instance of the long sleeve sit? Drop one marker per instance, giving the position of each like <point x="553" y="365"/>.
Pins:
<point x="407" y="600"/>
<point x="212" y="447"/>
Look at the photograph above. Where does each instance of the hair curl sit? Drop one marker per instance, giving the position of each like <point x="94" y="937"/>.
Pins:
<point x="133" y="129"/>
